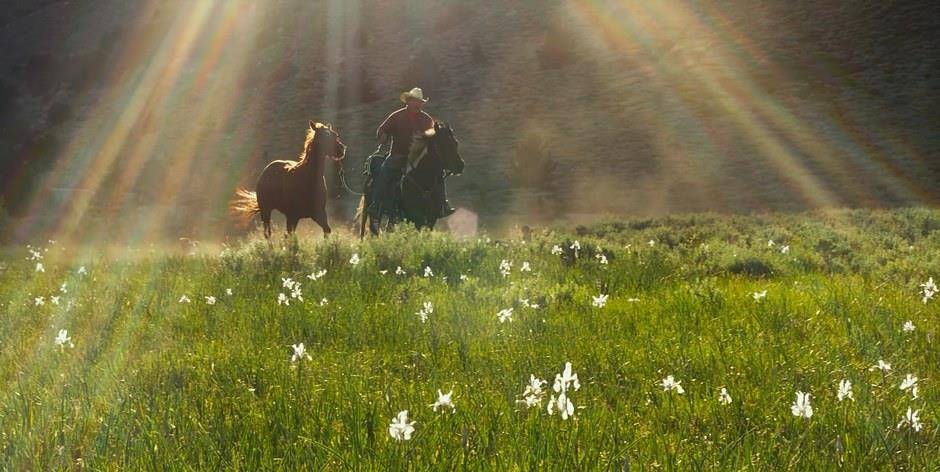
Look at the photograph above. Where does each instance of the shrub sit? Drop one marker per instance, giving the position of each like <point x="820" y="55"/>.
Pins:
<point x="533" y="165"/>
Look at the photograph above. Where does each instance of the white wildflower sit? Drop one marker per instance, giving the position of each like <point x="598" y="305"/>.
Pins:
<point x="801" y="407"/>
<point x="526" y="303"/>
<point x="54" y="299"/>
<point x="282" y="299"/>
<point x="670" y="383"/>
<point x="928" y="289"/>
<point x="228" y="292"/>
<point x="785" y="249"/>
<point x="525" y="267"/>
<point x="601" y="258"/>
<point x="563" y="382"/>
<point x="425" y="310"/>
<point x="845" y="390"/>
<point x="399" y="271"/>
<point x="444" y="401"/>
<point x="504" y="315"/>
<point x="882" y="366"/>
<point x="599" y="301"/>
<point x="908" y="326"/>
<point x="210" y="300"/>
<point x="911" y="420"/>
<point x="562" y="404"/>
<point x="532" y="395"/>
<point x="505" y="267"/>
<point x="556" y="250"/>
<point x="39" y="301"/>
<point x="63" y="338"/>
<point x="770" y="243"/>
<point x="40" y="267"/>
<point x="354" y="260"/>
<point x="566" y="379"/>
<point x="300" y="353"/>
<point x="908" y="382"/>
<point x="428" y="272"/>
<point x="184" y="299"/>
<point x="82" y="270"/>
<point x="723" y="397"/>
<point x="316" y="275"/>
<point x="400" y="429"/>
<point x="758" y="296"/>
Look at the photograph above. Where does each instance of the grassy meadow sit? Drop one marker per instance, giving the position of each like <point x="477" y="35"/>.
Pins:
<point x="191" y="361"/>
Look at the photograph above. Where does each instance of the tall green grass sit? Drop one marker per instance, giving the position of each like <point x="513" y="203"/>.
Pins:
<point x="153" y="383"/>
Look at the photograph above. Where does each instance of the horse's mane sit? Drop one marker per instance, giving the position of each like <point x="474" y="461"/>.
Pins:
<point x="304" y="159"/>
<point x="419" y="145"/>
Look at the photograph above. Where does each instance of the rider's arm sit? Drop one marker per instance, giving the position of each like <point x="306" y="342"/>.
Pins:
<point x="384" y="131"/>
<point x="427" y="120"/>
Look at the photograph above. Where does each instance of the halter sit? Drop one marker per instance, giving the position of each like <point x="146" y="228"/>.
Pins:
<point x="335" y="138"/>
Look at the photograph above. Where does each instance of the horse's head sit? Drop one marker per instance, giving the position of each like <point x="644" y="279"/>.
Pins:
<point x="445" y="146"/>
<point x="325" y="142"/>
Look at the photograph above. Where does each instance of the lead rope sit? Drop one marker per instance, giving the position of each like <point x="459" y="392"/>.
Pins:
<point x="342" y="177"/>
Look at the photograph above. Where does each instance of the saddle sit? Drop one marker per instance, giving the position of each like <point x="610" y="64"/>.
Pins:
<point x="370" y="169"/>
<point x="373" y="162"/>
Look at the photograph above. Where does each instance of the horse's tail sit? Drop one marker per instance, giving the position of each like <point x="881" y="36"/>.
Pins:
<point x="361" y="216"/>
<point x="245" y="205"/>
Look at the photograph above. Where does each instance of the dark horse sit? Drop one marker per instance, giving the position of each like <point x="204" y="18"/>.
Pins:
<point x="436" y="155"/>
<point x="295" y="188"/>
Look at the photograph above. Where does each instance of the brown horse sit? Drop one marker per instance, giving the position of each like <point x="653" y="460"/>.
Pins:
<point x="295" y="188"/>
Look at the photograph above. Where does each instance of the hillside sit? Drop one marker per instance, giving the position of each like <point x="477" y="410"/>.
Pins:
<point x="160" y="110"/>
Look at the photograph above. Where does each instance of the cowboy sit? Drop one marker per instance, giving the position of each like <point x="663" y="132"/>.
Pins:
<point x="401" y="127"/>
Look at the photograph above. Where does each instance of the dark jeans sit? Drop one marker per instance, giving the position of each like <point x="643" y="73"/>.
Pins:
<point x="385" y="184"/>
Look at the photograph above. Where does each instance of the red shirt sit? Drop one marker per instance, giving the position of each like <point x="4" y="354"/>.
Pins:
<point x="401" y="125"/>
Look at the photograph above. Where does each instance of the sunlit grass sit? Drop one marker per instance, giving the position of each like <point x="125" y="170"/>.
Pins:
<point x="153" y="383"/>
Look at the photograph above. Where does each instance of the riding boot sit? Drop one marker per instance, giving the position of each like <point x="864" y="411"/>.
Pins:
<point x="384" y="190"/>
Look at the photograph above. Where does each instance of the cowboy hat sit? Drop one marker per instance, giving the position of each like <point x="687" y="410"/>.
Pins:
<point x="415" y="93"/>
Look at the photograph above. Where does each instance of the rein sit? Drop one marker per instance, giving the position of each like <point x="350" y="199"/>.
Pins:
<point x="342" y="179"/>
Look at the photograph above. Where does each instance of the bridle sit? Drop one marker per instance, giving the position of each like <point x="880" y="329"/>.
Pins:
<point x="335" y="137"/>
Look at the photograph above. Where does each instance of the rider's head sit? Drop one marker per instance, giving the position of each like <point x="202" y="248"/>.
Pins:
<point x="414" y="99"/>
<point x="413" y="104"/>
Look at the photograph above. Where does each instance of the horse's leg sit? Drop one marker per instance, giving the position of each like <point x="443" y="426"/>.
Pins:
<point x="320" y="218"/>
<point x="266" y="219"/>
<point x="292" y="223"/>
<point x="363" y="217"/>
